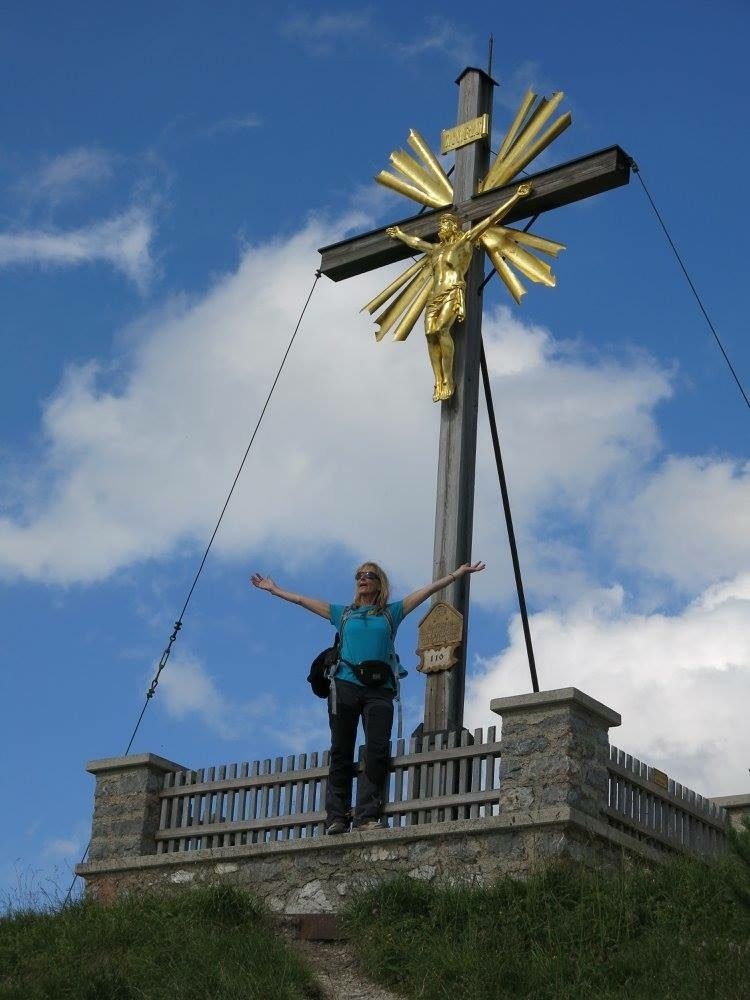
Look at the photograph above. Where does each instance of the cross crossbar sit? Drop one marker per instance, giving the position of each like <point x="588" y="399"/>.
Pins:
<point x="553" y="188"/>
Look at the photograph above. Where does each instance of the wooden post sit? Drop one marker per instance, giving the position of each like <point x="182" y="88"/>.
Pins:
<point x="454" y="515"/>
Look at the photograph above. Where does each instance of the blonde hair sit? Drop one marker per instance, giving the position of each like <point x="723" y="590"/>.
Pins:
<point x="383" y="595"/>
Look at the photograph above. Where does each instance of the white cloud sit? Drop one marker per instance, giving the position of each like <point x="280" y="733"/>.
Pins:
<point x="526" y="76"/>
<point x="188" y="690"/>
<point x="569" y="426"/>
<point x="680" y="681"/>
<point x="69" y="175"/>
<point x="321" y="33"/>
<point x="122" y="241"/>
<point x="195" y="387"/>
<point x="60" y="848"/>
<point x="687" y="522"/>
<point x="138" y="472"/>
<point x="44" y="885"/>
<point x="232" y="123"/>
<point x="326" y="32"/>
<point x="67" y="848"/>
<point x="573" y="434"/>
<point x="440" y="36"/>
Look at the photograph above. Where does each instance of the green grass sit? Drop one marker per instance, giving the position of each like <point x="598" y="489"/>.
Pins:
<point x="212" y="943"/>
<point x="676" y="932"/>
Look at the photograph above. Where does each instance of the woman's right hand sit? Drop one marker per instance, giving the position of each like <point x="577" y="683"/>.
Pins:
<point x="263" y="582"/>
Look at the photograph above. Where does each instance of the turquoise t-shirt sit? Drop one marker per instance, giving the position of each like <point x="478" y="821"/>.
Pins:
<point x="365" y="637"/>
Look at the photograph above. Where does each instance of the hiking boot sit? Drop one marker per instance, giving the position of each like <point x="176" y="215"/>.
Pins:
<point x="370" y="824"/>
<point x="336" y="827"/>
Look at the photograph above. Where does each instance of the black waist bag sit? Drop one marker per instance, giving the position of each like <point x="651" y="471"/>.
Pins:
<point x="372" y="673"/>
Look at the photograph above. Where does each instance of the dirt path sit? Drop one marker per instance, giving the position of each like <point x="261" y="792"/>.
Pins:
<point x="338" y="972"/>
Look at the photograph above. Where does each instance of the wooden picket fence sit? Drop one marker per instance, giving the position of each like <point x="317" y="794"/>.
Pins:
<point x="646" y="804"/>
<point x="430" y="781"/>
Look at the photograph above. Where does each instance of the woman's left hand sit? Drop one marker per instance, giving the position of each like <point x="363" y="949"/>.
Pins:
<point x="477" y="567"/>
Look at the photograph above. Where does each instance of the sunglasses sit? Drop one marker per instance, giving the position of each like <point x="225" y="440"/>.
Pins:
<point x="365" y="574"/>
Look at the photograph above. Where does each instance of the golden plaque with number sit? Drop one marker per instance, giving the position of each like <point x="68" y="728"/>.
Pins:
<point x="440" y="634"/>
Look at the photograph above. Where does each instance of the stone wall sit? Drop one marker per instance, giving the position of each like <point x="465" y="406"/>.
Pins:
<point x="318" y="875"/>
<point x="553" y="790"/>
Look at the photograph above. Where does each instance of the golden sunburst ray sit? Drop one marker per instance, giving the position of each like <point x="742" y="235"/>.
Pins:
<point x="504" y="247"/>
<point x="522" y="142"/>
<point x="409" y="317"/>
<point x="394" y="286"/>
<point x="413" y="287"/>
<point x="425" y="182"/>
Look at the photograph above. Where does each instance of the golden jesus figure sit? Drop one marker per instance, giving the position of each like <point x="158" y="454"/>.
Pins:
<point x="436" y="282"/>
<point x="449" y="261"/>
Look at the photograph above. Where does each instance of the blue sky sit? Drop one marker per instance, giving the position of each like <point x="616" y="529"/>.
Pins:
<point x="166" y="176"/>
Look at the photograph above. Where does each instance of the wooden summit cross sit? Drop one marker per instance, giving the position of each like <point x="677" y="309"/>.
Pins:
<point x="562" y="185"/>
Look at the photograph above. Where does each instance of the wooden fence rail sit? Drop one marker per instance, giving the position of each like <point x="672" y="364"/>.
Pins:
<point x="433" y="781"/>
<point x="647" y="805"/>
<point x="429" y="781"/>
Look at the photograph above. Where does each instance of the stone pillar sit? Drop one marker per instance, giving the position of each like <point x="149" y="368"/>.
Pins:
<point x="554" y="751"/>
<point x="737" y="807"/>
<point x="126" y="805"/>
